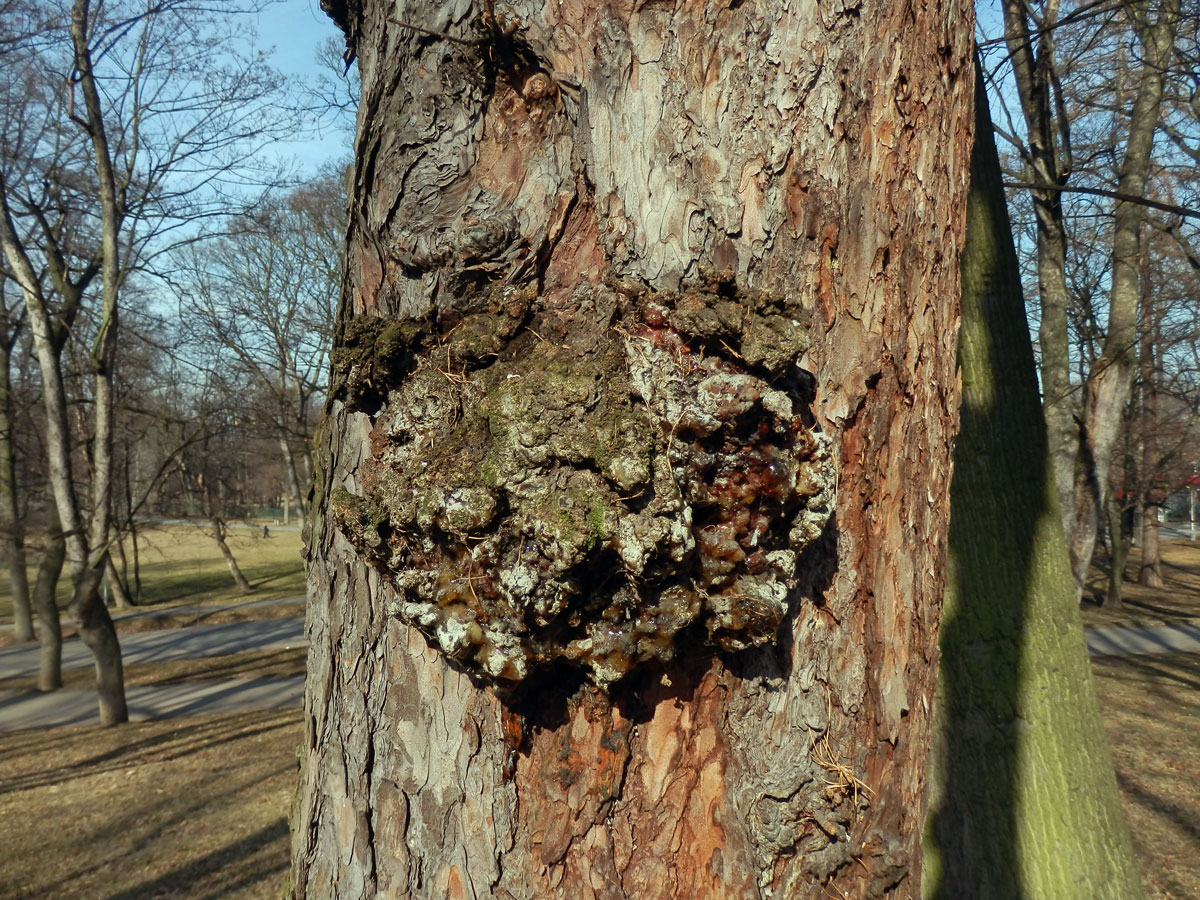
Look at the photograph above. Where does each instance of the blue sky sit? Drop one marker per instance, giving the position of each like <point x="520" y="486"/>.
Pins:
<point x="293" y="30"/>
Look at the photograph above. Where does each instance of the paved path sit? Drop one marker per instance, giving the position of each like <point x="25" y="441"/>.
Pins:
<point x="194" y="642"/>
<point x="1145" y="640"/>
<point x="34" y="710"/>
<point x="194" y="698"/>
<point x="140" y="612"/>
<point x="37" y="710"/>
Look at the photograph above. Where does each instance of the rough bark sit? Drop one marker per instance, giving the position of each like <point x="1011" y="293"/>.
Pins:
<point x="565" y="230"/>
<point x="1023" y="800"/>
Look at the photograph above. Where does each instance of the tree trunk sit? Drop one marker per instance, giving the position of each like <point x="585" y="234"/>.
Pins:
<point x="1150" y="573"/>
<point x="572" y="456"/>
<point x="116" y="584"/>
<point x="293" y="476"/>
<point x="45" y="597"/>
<point x="91" y="616"/>
<point x="11" y="527"/>
<point x="1062" y="407"/>
<point x="1115" y="509"/>
<point x="1018" y="730"/>
<point x="1111" y="376"/>
<point x="1032" y="51"/>
<point x="137" y="562"/>
<point x="218" y="533"/>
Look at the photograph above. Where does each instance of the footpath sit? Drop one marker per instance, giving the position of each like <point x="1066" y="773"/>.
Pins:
<point x="76" y="707"/>
<point x="34" y="709"/>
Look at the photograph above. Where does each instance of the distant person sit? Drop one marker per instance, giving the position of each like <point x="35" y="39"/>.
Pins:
<point x="266" y="531"/>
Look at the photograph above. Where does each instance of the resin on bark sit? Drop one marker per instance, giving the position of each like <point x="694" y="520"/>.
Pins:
<point x="591" y="484"/>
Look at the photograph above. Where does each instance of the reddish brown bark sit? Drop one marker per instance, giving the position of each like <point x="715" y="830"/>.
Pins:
<point x="597" y="150"/>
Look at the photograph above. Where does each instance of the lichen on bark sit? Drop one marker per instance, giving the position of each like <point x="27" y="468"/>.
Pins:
<point x="592" y="483"/>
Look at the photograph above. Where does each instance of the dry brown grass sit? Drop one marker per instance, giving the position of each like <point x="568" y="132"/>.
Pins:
<point x="192" y="808"/>
<point x="196" y="808"/>
<point x="1151" y="708"/>
<point x="1177" y="600"/>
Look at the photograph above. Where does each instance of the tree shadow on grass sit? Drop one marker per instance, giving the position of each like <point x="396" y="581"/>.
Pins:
<point x="191" y="736"/>
<point x="220" y="872"/>
<point x="174" y="814"/>
<point x="1182" y="669"/>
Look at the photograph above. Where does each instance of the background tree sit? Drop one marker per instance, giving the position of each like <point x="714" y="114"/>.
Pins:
<point x="12" y="527"/>
<point x="1017" y="724"/>
<point x="1084" y="421"/>
<point x="165" y="113"/>
<point x="583" y="246"/>
<point x="264" y="297"/>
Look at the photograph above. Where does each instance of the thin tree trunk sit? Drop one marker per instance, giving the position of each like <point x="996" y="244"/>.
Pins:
<point x="116" y="584"/>
<point x="209" y="505"/>
<point x="95" y="625"/>
<point x="1062" y="405"/>
<point x="1115" y="510"/>
<point x="293" y="476"/>
<point x="1150" y="573"/>
<point x="86" y="548"/>
<point x="11" y="528"/>
<point x="1050" y="163"/>
<point x="1018" y="729"/>
<point x="45" y="596"/>
<point x="218" y="526"/>
<point x="1111" y="376"/>
<point x="529" y="540"/>
<point x="137" y="561"/>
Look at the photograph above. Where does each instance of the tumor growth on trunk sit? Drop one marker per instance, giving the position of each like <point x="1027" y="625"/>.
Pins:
<point x="610" y="479"/>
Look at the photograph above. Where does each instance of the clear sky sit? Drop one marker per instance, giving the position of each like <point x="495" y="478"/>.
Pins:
<point x="293" y="31"/>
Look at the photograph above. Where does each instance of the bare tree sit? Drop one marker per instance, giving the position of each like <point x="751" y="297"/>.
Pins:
<point x="1084" y="430"/>
<point x="265" y="296"/>
<point x="164" y="113"/>
<point x="12" y="530"/>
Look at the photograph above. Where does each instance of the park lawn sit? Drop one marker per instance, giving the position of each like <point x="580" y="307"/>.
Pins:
<point x="181" y="565"/>
<point x="195" y="808"/>
<point x="186" y="808"/>
<point x="1151" y="709"/>
<point x="1178" y="600"/>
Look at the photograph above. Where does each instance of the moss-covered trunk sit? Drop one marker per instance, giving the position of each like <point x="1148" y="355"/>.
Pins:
<point x="1023" y="800"/>
<point x="632" y="497"/>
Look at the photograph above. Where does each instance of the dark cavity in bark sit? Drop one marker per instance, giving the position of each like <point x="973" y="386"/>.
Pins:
<point x="587" y="484"/>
